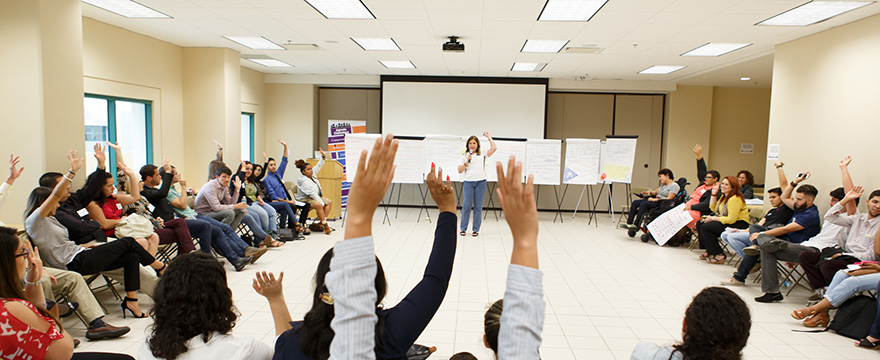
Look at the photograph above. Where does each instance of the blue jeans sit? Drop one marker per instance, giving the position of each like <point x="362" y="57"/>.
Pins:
<point x="288" y="217"/>
<point x="474" y="192"/>
<point x="265" y="215"/>
<point x="251" y="220"/>
<point x="843" y="286"/>
<point x="226" y="239"/>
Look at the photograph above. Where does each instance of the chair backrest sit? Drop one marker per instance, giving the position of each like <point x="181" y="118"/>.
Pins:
<point x="191" y="201"/>
<point x="682" y="195"/>
<point x="291" y="188"/>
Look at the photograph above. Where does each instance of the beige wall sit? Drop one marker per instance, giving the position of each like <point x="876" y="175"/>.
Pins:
<point x="689" y="122"/>
<point x="739" y="115"/>
<point x="824" y="105"/>
<point x="290" y="111"/>
<point x="253" y="93"/>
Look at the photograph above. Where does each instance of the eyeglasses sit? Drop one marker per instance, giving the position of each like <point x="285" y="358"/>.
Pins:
<point x="25" y="253"/>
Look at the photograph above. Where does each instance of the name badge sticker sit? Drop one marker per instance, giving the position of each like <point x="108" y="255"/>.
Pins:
<point x="119" y="206"/>
<point x="151" y="207"/>
<point x="82" y="212"/>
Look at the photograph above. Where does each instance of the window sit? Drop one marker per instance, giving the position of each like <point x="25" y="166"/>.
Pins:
<point x="247" y="136"/>
<point x="127" y="121"/>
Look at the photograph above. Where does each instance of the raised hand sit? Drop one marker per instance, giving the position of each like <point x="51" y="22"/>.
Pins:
<point x="698" y="151"/>
<point x="801" y="178"/>
<point x="166" y="164"/>
<point x="265" y="284"/>
<point x="35" y="264"/>
<point x="218" y="144"/>
<point x="14" y="171"/>
<point x="323" y="155"/>
<point x="486" y="134"/>
<point x="854" y="193"/>
<point x="369" y="186"/>
<point x="237" y="182"/>
<point x="118" y="150"/>
<point x="520" y="212"/>
<point x="715" y="188"/>
<point x="845" y="162"/>
<point x="442" y="193"/>
<point x="282" y="142"/>
<point x="74" y="160"/>
<point x="778" y="164"/>
<point x="265" y="156"/>
<point x="100" y="155"/>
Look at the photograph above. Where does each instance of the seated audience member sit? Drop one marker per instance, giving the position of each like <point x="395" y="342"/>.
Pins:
<point x="667" y="190"/>
<point x="398" y="327"/>
<point x="214" y="200"/>
<point x="194" y="315"/>
<point x="872" y="341"/>
<point x="60" y="252"/>
<point x="29" y="330"/>
<point x="698" y="204"/>
<point x="731" y="212"/>
<point x="74" y="288"/>
<point x="746" y="182"/>
<point x="492" y="325"/>
<point x="73" y="213"/>
<point x="859" y="246"/>
<point x="845" y="285"/>
<point x="264" y="215"/>
<point x="228" y="243"/>
<point x="308" y="189"/>
<point x="716" y="326"/>
<point x="273" y="181"/>
<point x="172" y="231"/>
<point x="804" y="224"/>
<point x="287" y="216"/>
<point x="14" y="173"/>
<point x="157" y="185"/>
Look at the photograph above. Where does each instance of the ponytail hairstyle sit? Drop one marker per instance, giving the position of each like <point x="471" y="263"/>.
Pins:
<point x="315" y="332"/>
<point x="492" y="324"/>
<point x="10" y="283"/>
<point x="717" y="325"/>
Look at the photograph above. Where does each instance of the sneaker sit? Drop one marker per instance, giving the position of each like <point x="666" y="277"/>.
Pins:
<point x="240" y="264"/>
<point x="774" y="246"/>
<point x="732" y="282"/>
<point x="255" y="253"/>
<point x="624" y="226"/>
<point x="769" y="298"/>
<point x="753" y="250"/>
<point x="107" y="332"/>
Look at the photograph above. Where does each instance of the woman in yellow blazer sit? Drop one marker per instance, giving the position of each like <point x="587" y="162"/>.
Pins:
<point x="730" y="211"/>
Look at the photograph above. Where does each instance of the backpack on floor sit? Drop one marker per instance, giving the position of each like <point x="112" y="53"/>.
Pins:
<point x="855" y="317"/>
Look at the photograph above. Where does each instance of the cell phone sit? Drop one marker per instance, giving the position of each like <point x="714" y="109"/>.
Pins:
<point x="804" y="175"/>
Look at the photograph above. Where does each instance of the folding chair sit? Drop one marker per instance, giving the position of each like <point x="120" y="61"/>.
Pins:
<point x="795" y="273"/>
<point x="165" y="252"/>
<point x="60" y="298"/>
<point x="108" y="285"/>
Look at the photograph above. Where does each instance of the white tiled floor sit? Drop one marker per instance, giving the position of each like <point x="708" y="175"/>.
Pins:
<point x="604" y="291"/>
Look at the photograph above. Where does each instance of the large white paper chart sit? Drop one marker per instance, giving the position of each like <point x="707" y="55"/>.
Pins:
<point x="617" y="160"/>
<point x="445" y="152"/>
<point x="354" y="145"/>
<point x="410" y="162"/>
<point x="505" y="149"/>
<point x="581" y="161"/>
<point x="667" y="224"/>
<point x="543" y="160"/>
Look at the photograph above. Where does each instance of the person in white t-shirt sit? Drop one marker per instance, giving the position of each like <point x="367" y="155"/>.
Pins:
<point x="473" y="166"/>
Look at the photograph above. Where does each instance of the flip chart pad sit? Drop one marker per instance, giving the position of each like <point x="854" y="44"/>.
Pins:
<point x="410" y="162"/>
<point x="666" y="225"/>
<point x="445" y="152"/>
<point x="354" y="145"/>
<point x="581" y="161"/>
<point x="617" y="158"/>
<point x="506" y="148"/>
<point x="543" y="160"/>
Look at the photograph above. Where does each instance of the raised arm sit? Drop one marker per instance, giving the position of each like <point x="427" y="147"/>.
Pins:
<point x="284" y="144"/>
<point x="492" y="146"/>
<point x="100" y="156"/>
<point x="780" y="175"/>
<point x="14" y="173"/>
<point x="219" y="150"/>
<point x="847" y="183"/>
<point x="63" y="186"/>
<point x="133" y="195"/>
<point x="786" y="194"/>
<point x="702" y="169"/>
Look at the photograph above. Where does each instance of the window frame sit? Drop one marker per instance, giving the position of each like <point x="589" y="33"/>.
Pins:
<point x="251" y="133"/>
<point x="111" y="125"/>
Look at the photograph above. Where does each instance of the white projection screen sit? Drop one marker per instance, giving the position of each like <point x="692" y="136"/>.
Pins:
<point x="505" y="107"/>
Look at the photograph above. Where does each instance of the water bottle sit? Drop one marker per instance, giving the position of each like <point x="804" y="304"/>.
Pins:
<point x="786" y="284"/>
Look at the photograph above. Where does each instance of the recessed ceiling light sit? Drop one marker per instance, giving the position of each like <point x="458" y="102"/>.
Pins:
<point x="376" y="44"/>
<point x="715" y="49"/>
<point x="395" y="64"/>
<point x="518" y="66"/>
<point x="543" y="46"/>
<point x="269" y="62"/>
<point x="255" y="42"/>
<point x="813" y="12"/>
<point x="745" y="78"/>
<point x="570" y="10"/>
<point x="661" y="69"/>
<point x="127" y="8"/>
<point x="342" y="9"/>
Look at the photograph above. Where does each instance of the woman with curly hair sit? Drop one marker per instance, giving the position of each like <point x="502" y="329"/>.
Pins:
<point x="194" y="315"/>
<point x="716" y="326"/>
<point x="746" y="182"/>
<point x="308" y="189"/>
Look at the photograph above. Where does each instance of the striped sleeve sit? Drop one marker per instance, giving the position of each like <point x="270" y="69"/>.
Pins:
<point x="523" y="317"/>
<point x="351" y="284"/>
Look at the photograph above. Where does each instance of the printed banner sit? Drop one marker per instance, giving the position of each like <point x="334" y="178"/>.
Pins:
<point x="336" y="146"/>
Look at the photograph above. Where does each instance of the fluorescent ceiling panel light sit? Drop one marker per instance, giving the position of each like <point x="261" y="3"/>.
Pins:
<point x="715" y="49"/>
<point x="255" y="42"/>
<point x="543" y="46"/>
<point x="745" y="78"/>
<point x="518" y="66"/>
<point x="393" y="64"/>
<point x="661" y="69"/>
<point x="570" y="10"/>
<point x="813" y="12"/>
<point x="269" y="62"/>
<point x="342" y="9"/>
<point x="127" y="8"/>
<point x="376" y="44"/>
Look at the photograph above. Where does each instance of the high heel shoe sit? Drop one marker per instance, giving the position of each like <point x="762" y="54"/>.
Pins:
<point x="160" y="270"/>
<point x="128" y="299"/>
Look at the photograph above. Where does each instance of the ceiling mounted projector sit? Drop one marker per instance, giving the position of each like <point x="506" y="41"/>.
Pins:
<point x="453" y="44"/>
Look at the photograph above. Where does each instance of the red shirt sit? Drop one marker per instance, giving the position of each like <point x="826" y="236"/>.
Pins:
<point x="112" y="211"/>
<point x="20" y="341"/>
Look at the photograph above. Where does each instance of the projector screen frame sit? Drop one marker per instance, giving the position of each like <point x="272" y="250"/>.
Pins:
<point x="465" y="80"/>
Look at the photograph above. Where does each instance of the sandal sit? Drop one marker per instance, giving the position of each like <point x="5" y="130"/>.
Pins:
<point x="462" y="233"/>
<point x="704" y="256"/>
<point x="868" y="344"/>
<point x="475" y="233"/>
<point x="717" y="261"/>
<point x="818" y="320"/>
<point x="799" y="314"/>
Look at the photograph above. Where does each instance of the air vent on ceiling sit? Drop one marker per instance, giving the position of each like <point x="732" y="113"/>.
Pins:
<point x="301" y="47"/>
<point x="583" y="50"/>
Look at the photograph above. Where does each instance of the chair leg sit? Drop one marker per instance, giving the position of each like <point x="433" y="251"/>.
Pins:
<point x="62" y="298"/>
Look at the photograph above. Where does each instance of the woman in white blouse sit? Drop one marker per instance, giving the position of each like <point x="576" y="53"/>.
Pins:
<point x="308" y="189"/>
<point x="473" y="166"/>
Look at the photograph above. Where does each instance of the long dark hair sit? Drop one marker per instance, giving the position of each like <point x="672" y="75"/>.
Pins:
<point x="492" y="324"/>
<point x="93" y="190"/>
<point x="36" y="199"/>
<point x="315" y="331"/>
<point x="191" y="299"/>
<point x="718" y="323"/>
<point x="10" y="283"/>
<point x="240" y="172"/>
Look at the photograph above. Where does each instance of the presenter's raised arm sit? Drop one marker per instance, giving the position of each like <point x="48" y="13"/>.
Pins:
<point x="492" y="146"/>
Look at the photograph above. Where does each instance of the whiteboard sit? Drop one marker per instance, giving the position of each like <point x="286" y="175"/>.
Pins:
<point x="543" y="160"/>
<point x="445" y="152"/>
<point x="410" y="162"/>
<point x="505" y="148"/>
<point x="617" y="160"/>
<point x="354" y="145"/>
<point x="581" y="161"/>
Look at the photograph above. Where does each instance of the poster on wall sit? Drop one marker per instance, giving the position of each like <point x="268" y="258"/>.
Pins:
<point x="336" y="146"/>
